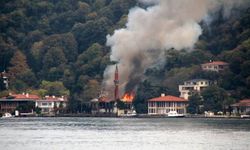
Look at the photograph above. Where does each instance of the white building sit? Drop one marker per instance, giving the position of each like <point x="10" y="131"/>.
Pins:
<point x="242" y="107"/>
<point x="164" y="104"/>
<point x="214" y="66"/>
<point x="51" y="105"/>
<point x="191" y="86"/>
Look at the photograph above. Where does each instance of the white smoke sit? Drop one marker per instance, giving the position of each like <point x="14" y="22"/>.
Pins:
<point x="149" y="32"/>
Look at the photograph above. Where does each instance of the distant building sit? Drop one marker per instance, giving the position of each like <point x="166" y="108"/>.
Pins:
<point x="11" y="102"/>
<point x="164" y="104"/>
<point x="103" y="105"/>
<point x="125" y="106"/>
<point x="214" y="66"/>
<point x="242" y="107"/>
<point x="192" y="86"/>
<point x="5" y="78"/>
<point x="51" y="105"/>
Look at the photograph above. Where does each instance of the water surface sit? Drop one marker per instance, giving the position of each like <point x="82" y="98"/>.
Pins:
<point x="124" y="134"/>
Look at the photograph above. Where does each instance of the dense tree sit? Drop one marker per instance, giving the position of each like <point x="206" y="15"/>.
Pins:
<point x="63" y="43"/>
<point x="144" y="92"/>
<point x="54" y="88"/>
<point x="214" y="99"/>
<point x="194" y="103"/>
<point x="91" y="32"/>
<point x="20" y="74"/>
<point x="18" y="64"/>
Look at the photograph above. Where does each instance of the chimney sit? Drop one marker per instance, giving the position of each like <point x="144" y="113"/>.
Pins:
<point x="27" y="95"/>
<point x="162" y="94"/>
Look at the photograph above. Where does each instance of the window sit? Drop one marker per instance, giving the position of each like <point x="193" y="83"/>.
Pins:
<point x="201" y="82"/>
<point x="44" y="104"/>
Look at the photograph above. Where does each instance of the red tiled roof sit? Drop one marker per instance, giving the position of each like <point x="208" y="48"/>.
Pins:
<point x="53" y="98"/>
<point x="104" y="99"/>
<point x="244" y="102"/>
<point x="25" y="96"/>
<point x="168" y="98"/>
<point x="216" y="63"/>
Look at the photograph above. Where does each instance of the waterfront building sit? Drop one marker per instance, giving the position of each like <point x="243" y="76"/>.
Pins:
<point x="126" y="107"/>
<point x="51" y="105"/>
<point x="164" y="104"/>
<point x="9" y="103"/>
<point x="242" y="107"/>
<point x="193" y="86"/>
<point x="103" y="105"/>
<point x="215" y="66"/>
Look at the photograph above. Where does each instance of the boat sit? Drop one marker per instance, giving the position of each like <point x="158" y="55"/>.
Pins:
<point x="7" y="115"/>
<point x="131" y="114"/>
<point x="174" y="114"/>
<point x="244" y="116"/>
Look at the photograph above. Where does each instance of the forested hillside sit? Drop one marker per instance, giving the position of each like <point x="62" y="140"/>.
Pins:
<point x="57" y="47"/>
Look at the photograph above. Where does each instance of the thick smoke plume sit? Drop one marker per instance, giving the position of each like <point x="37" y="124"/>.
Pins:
<point x="164" y="24"/>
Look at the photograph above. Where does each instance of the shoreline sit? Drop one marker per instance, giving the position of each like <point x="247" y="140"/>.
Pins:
<point x="137" y="116"/>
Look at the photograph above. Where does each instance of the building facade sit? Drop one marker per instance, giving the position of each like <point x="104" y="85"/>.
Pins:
<point x="103" y="105"/>
<point x="193" y="86"/>
<point x="10" y="103"/>
<point x="164" y="104"/>
<point x="242" y="107"/>
<point x="51" y="105"/>
<point x="215" y="66"/>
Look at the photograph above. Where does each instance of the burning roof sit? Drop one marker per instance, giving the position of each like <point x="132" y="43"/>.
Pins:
<point x="128" y="97"/>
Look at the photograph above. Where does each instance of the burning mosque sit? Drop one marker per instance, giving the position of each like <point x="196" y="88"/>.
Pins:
<point x="151" y="30"/>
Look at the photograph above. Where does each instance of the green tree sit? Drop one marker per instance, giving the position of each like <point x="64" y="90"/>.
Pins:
<point x="194" y="103"/>
<point x="143" y="94"/>
<point x="214" y="98"/>
<point x="21" y="75"/>
<point x="91" y="32"/>
<point x="91" y="62"/>
<point x="54" y="88"/>
<point x="18" y="65"/>
<point x="91" y="90"/>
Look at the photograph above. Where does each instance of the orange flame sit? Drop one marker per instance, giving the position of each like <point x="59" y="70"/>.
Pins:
<point x="128" y="97"/>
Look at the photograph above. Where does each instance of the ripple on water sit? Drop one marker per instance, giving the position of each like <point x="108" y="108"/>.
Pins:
<point x="124" y="133"/>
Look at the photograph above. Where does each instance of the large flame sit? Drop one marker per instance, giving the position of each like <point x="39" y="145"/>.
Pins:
<point x="128" y="97"/>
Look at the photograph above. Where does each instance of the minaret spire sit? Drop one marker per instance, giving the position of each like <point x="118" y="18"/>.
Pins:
<point x="116" y="82"/>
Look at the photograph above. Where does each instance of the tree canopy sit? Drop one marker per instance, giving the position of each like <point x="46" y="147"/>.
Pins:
<point x="58" y="48"/>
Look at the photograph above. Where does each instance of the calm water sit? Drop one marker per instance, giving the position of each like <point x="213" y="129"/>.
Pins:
<point x="124" y="134"/>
